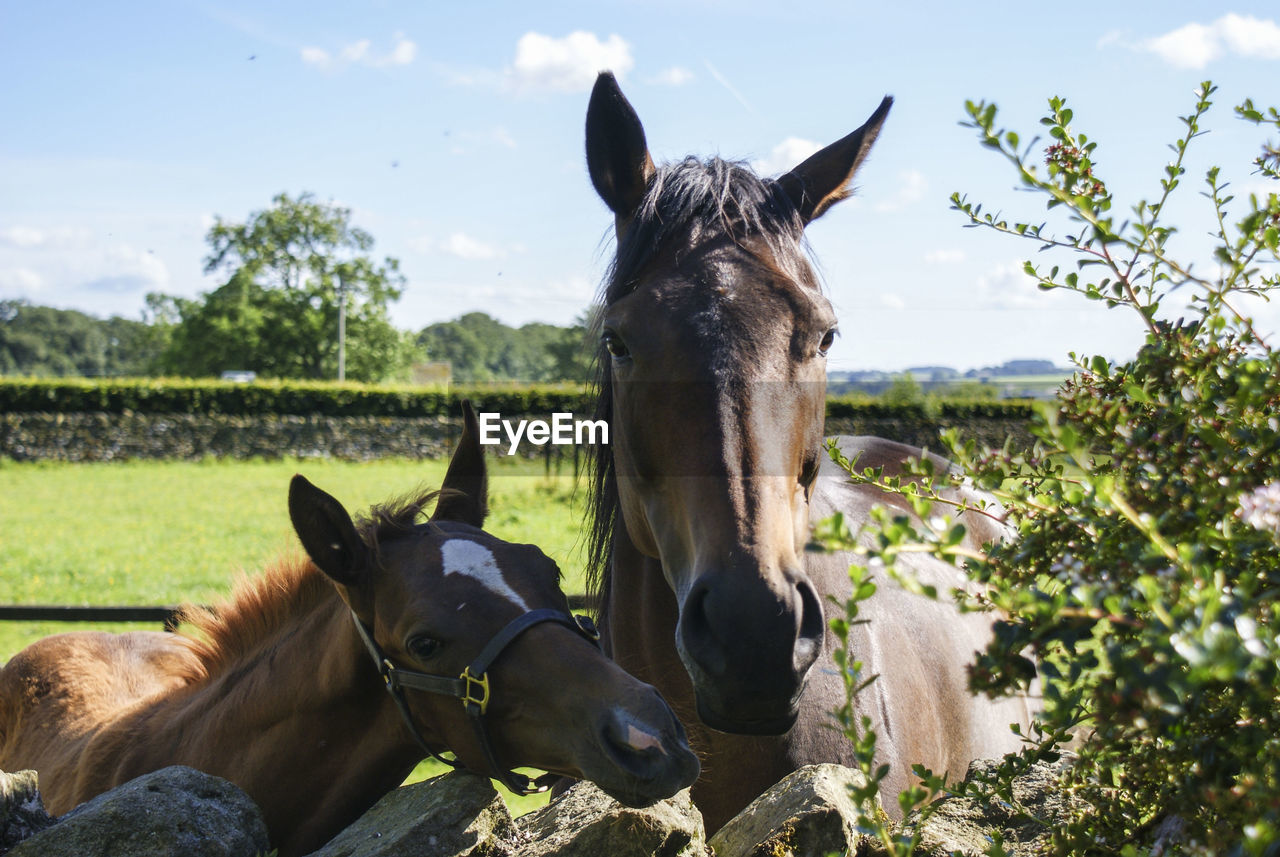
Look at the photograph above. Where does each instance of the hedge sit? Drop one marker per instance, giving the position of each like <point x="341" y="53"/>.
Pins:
<point x="331" y="399"/>
<point x="301" y="398"/>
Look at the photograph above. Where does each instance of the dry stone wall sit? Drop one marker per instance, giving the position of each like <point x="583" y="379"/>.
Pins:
<point x="183" y="813"/>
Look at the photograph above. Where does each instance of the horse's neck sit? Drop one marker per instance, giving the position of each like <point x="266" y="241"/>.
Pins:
<point x="639" y="622"/>
<point x="301" y="722"/>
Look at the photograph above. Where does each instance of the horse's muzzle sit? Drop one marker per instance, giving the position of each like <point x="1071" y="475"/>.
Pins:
<point x="748" y="648"/>
<point x="652" y="761"/>
<point x="738" y="725"/>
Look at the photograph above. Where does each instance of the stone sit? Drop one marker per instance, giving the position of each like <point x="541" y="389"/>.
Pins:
<point x="457" y="814"/>
<point x="22" y="813"/>
<point x="807" y="814"/>
<point x="173" y="812"/>
<point x="585" y="822"/>
<point x="965" y="826"/>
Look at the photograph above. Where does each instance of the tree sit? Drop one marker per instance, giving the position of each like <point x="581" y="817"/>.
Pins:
<point x="904" y="390"/>
<point x="1144" y="574"/>
<point x="573" y="349"/>
<point x="478" y="347"/>
<point x="39" y="340"/>
<point x="288" y="268"/>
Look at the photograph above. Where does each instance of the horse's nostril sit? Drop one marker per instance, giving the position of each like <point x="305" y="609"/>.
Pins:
<point x="626" y="734"/>
<point x="697" y="634"/>
<point x="635" y="746"/>
<point x="785" y="629"/>
<point x="813" y="626"/>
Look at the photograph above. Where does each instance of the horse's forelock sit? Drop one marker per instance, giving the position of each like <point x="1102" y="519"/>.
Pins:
<point x="394" y="518"/>
<point x="694" y="198"/>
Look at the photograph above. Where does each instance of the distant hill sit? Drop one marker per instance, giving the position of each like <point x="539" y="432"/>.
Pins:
<point x="1013" y="379"/>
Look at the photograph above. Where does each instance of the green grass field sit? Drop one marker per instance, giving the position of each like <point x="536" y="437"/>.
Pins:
<point x="159" y="533"/>
<point x="151" y="533"/>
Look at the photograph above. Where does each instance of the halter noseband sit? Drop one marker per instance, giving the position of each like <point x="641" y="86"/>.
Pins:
<point x="472" y="688"/>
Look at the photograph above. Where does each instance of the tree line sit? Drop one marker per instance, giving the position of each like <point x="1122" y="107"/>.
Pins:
<point x="302" y="297"/>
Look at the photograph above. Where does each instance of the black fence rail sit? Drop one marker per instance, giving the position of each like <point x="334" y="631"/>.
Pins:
<point x="166" y="616"/>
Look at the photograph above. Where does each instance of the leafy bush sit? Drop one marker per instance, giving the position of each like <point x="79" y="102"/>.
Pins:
<point x="278" y="397"/>
<point x="1144" y="577"/>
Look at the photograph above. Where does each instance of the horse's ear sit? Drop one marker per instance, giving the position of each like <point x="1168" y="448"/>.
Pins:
<point x="617" y="154"/>
<point x="327" y="533"/>
<point x="823" y="179"/>
<point x="465" y="495"/>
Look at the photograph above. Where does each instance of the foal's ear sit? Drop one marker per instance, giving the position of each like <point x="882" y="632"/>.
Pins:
<point x="465" y="497"/>
<point x="823" y="179"/>
<point x="326" y="532"/>
<point x="617" y="154"/>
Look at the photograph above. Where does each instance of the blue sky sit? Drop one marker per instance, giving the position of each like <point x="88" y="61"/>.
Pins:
<point x="454" y="133"/>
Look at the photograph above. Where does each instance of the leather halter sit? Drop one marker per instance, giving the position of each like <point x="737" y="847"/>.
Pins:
<point x="472" y="688"/>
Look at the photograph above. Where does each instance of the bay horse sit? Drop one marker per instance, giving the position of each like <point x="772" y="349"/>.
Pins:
<point x="276" y="690"/>
<point x="713" y="338"/>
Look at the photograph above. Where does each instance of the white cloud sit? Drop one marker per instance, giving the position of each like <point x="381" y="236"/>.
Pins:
<point x="784" y="156"/>
<point x="892" y="302"/>
<point x="464" y="246"/>
<point x="944" y="257"/>
<point x="674" y="76"/>
<point x="1111" y="37"/>
<point x="1196" y="45"/>
<point x="73" y="266"/>
<point x="403" y="53"/>
<point x="355" y="52"/>
<point x="912" y="189"/>
<point x="22" y="282"/>
<point x="124" y="264"/>
<point x="316" y="56"/>
<point x="1006" y="286"/>
<point x="360" y="52"/>
<point x="1192" y="46"/>
<point x="568" y="64"/>
<point x="1250" y="36"/>
<point x="21" y="236"/>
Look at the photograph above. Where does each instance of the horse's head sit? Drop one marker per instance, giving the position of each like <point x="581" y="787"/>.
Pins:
<point x="436" y="598"/>
<point x="714" y="336"/>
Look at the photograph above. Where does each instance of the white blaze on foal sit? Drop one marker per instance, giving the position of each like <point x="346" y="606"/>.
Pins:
<point x="463" y="556"/>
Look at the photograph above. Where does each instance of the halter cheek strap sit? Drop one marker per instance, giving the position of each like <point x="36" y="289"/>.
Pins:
<point x="472" y="688"/>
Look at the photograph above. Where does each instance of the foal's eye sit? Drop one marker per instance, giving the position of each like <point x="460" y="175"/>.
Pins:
<point x="422" y="647"/>
<point x="614" y="344"/>
<point x="827" y="338"/>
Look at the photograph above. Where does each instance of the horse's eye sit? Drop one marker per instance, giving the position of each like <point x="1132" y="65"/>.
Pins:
<point x="614" y="344"/>
<point x="422" y="647"/>
<point x="827" y="338"/>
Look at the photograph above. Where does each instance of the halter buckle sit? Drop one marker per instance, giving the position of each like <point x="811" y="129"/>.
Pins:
<point x="587" y="627"/>
<point x="470" y="681"/>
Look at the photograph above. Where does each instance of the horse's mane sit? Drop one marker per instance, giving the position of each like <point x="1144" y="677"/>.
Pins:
<point x="260" y="605"/>
<point x="692" y="199"/>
